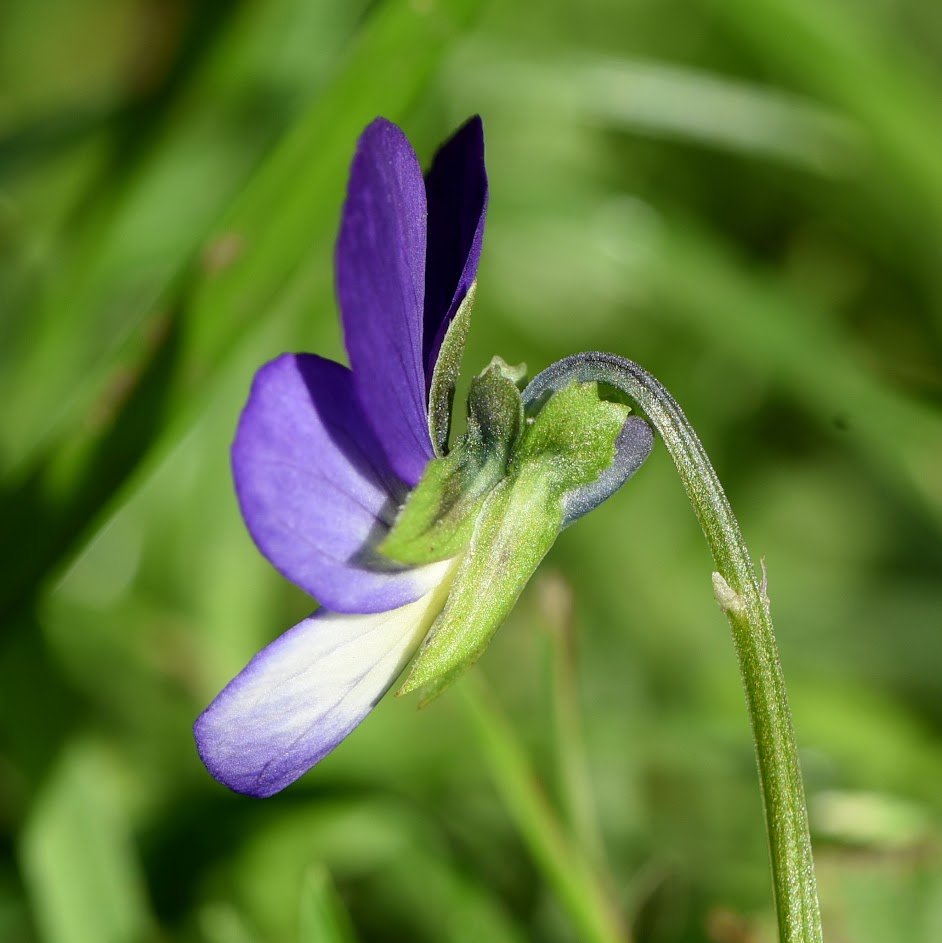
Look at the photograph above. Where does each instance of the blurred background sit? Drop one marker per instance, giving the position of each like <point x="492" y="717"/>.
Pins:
<point x="745" y="196"/>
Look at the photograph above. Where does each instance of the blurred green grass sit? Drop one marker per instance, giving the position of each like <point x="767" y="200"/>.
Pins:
<point x="746" y="198"/>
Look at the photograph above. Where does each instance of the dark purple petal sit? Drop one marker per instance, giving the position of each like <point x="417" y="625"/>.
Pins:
<point x="456" y="190"/>
<point x="315" y="489"/>
<point x="300" y="696"/>
<point x="380" y="286"/>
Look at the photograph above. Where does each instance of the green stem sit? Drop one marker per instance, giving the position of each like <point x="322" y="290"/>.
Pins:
<point x="575" y="780"/>
<point x="323" y="918"/>
<point x="566" y="870"/>
<point x="746" y="606"/>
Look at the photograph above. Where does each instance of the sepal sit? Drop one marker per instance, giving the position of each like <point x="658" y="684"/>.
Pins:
<point x="441" y="396"/>
<point x="516" y="527"/>
<point x="573" y="437"/>
<point x="439" y="515"/>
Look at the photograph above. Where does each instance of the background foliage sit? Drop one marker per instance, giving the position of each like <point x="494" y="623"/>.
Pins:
<point x="744" y="196"/>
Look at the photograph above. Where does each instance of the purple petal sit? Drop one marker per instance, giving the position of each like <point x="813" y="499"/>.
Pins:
<point x="315" y="489"/>
<point x="456" y="190"/>
<point x="380" y="286"/>
<point x="300" y="696"/>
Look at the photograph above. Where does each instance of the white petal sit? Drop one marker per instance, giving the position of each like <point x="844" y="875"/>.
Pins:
<point x="300" y="696"/>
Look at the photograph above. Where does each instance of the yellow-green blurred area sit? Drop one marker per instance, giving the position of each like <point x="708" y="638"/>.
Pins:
<point x="744" y="196"/>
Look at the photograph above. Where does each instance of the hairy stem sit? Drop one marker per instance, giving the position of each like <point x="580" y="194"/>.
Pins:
<point x="746" y="605"/>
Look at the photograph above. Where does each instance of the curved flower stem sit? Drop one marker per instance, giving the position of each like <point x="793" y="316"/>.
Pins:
<point x="746" y="605"/>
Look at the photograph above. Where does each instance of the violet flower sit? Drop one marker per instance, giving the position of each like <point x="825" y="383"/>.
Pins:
<point x="348" y="486"/>
<point x="325" y="455"/>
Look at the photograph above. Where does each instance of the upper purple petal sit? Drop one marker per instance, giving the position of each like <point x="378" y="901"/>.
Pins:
<point x="456" y="191"/>
<point x="380" y="265"/>
<point x="315" y="489"/>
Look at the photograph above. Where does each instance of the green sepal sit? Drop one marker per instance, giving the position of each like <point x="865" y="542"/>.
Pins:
<point x="441" y="395"/>
<point x="438" y="518"/>
<point x="517" y="525"/>
<point x="568" y="445"/>
<point x="573" y="436"/>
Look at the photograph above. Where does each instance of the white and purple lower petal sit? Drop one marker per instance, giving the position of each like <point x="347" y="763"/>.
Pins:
<point x="303" y="694"/>
<point x="380" y="268"/>
<point x="315" y="488"/>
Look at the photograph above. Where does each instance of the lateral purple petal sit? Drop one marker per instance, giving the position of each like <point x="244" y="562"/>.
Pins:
<point x="300" y="696"/>
<point x="456" y="191"/>
<point x="380" y="264"/>
<point x="315" y="488"/>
